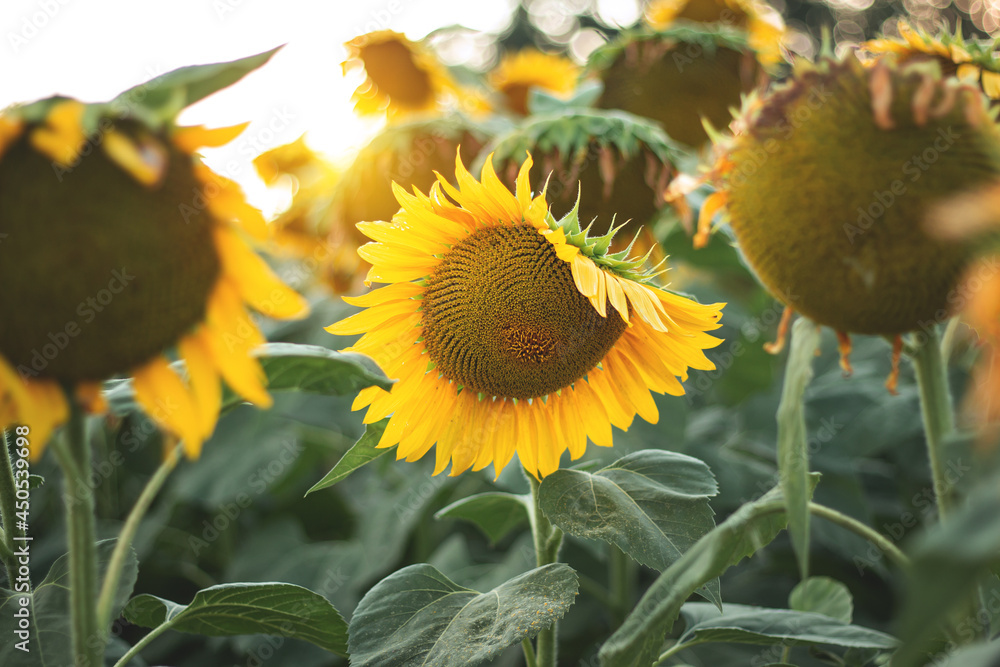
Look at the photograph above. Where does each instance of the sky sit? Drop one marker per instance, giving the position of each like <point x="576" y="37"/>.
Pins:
<point x="94" y="49"/>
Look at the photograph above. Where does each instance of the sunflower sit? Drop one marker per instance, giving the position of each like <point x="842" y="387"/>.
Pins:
<point x="763" y="23"/>
<point x="299" y="232"/>
<point x="401" y="76"/>
<point x="510" y="331"/>
<point x="664" y="75"/>
<point x="407" y="153"/>
<point x="618" y="164"/>
<point x="970" y="61"/>
<point x="530" y="68"/>
<point x="141" y="249"/>
<point x="826" y="182"/>
<point x="975" y="215"/>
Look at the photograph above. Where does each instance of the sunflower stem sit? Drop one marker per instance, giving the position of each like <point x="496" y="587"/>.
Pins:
<point x="73" y="453"/>
<point x="548" y="540"/>
<point x="622" y="580"/>
<point x="8" y="505"/>
<point x="529" y="653"/>
<point x="110" y="584"/>
<point x="862" y="530"/>
<point x="935" y="405"/>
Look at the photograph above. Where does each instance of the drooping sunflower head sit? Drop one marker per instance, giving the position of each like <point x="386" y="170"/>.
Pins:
<point x="300" y="231"/>
<point x="827" y="181"/>
<point x="618" y="164"/>
<point x="764" y="26"/>
<point x="530" y="68"/>
<point x="401" y="76"/>
<point x="677" y="77"/>
<point x="120" y="245"/>
<point x="512" y="331"/>
<point x="970" y="61"/>
<point x="408" y="154"/>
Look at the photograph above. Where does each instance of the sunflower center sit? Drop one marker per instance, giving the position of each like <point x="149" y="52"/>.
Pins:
<point x="100" y="273"/>
<point x="391" y="66"/>
<point x="502" y="315"/>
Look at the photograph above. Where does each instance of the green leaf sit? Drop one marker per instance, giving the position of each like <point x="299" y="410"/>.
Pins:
<point x="496" y="514"/>
<point x="49" y="627"/>
<point x="160" y="100"/>
<point x="653" y="505"/>
<point x="289" y="367"/>
<point x="417" y="616"/>
<point x="793" y="448"/>
<point x="744" y="624"/>
<point x="281" y="610"/>
<point x="947" y="563"/>
<point x="749" y="528"/>
<point x="361" y="453"/>
<point x="35" y="481"/>
<point x="823" y="595"/>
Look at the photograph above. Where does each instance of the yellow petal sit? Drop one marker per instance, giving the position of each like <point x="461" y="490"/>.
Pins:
<point x="164" y="397"/>
<point x="10" y="130"/>
<point x="255" y="281"/>
<point x="143" y="159"/>
<point x="230" y="353"/>
<point x="61" y="137"/>
<point x="206" y="389"/>
<point x="190" y="139"/>
<point x="396" y="291"/>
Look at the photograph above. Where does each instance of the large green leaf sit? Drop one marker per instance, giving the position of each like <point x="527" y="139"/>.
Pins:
<point x="793" y="454"/>
<point x="637" y="642"/>
<point x="644" y="503"/>
<point x="652" y="504"/>
<point x="417" y="616"/>
<point x="282" y="610"/>
<point x="363" y="452"/>
<point x="948" y="561"/>
<point x="49" y="628"/>
<point x="160" y="100"/>
<point x="759" y="625"/>
<point x="823" y="595"/>
<point x="289" y="367"/>
<point x="496" y="514"/>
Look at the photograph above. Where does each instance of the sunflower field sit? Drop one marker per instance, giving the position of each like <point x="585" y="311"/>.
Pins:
<point x="603" y="334"/>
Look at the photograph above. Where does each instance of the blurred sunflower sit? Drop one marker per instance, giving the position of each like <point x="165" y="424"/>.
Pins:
<point x="663" y="75"/>
<point x="763" y="23"/>
<point x="827" y="179"/>
<point x="300" y="232"/>
<point x="407" y="153"/>
<point x="142" y="250"/>
<point x="401" y="76"/>
<point x="530" y="68"/>
<point x="511" y="331"/>
<point x="975" y="216"/>
<point x="618" y="164"/>
<point x="969" y="61"/>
